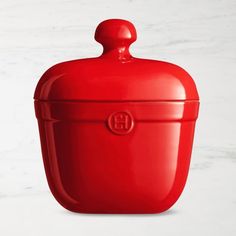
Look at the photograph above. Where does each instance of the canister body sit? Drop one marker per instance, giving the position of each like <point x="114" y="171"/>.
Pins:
<point x="116" y="157"/>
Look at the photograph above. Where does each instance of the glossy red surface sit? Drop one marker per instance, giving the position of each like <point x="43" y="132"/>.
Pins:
<point x="116" y="131"/>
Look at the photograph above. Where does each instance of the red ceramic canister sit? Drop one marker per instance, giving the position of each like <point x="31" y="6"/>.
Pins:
<point x="116" y="131"/>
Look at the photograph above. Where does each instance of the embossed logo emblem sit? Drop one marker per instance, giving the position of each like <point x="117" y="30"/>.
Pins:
<point x="120" y="122"/>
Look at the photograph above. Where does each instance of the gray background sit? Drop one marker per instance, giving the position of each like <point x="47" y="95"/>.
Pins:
<point x="198" y="35"/>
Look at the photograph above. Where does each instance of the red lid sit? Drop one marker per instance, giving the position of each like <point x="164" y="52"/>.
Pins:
<point x="116" y="75"/>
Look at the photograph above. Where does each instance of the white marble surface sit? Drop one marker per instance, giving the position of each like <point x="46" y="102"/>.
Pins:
<point x="198" y="35"/>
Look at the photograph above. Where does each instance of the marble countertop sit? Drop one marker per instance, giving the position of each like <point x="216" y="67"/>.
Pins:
<point x="206" y="207"/>
<point x="199" y="35"/>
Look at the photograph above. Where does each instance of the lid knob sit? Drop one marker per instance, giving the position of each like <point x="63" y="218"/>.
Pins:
<point x="116" y="35"/>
